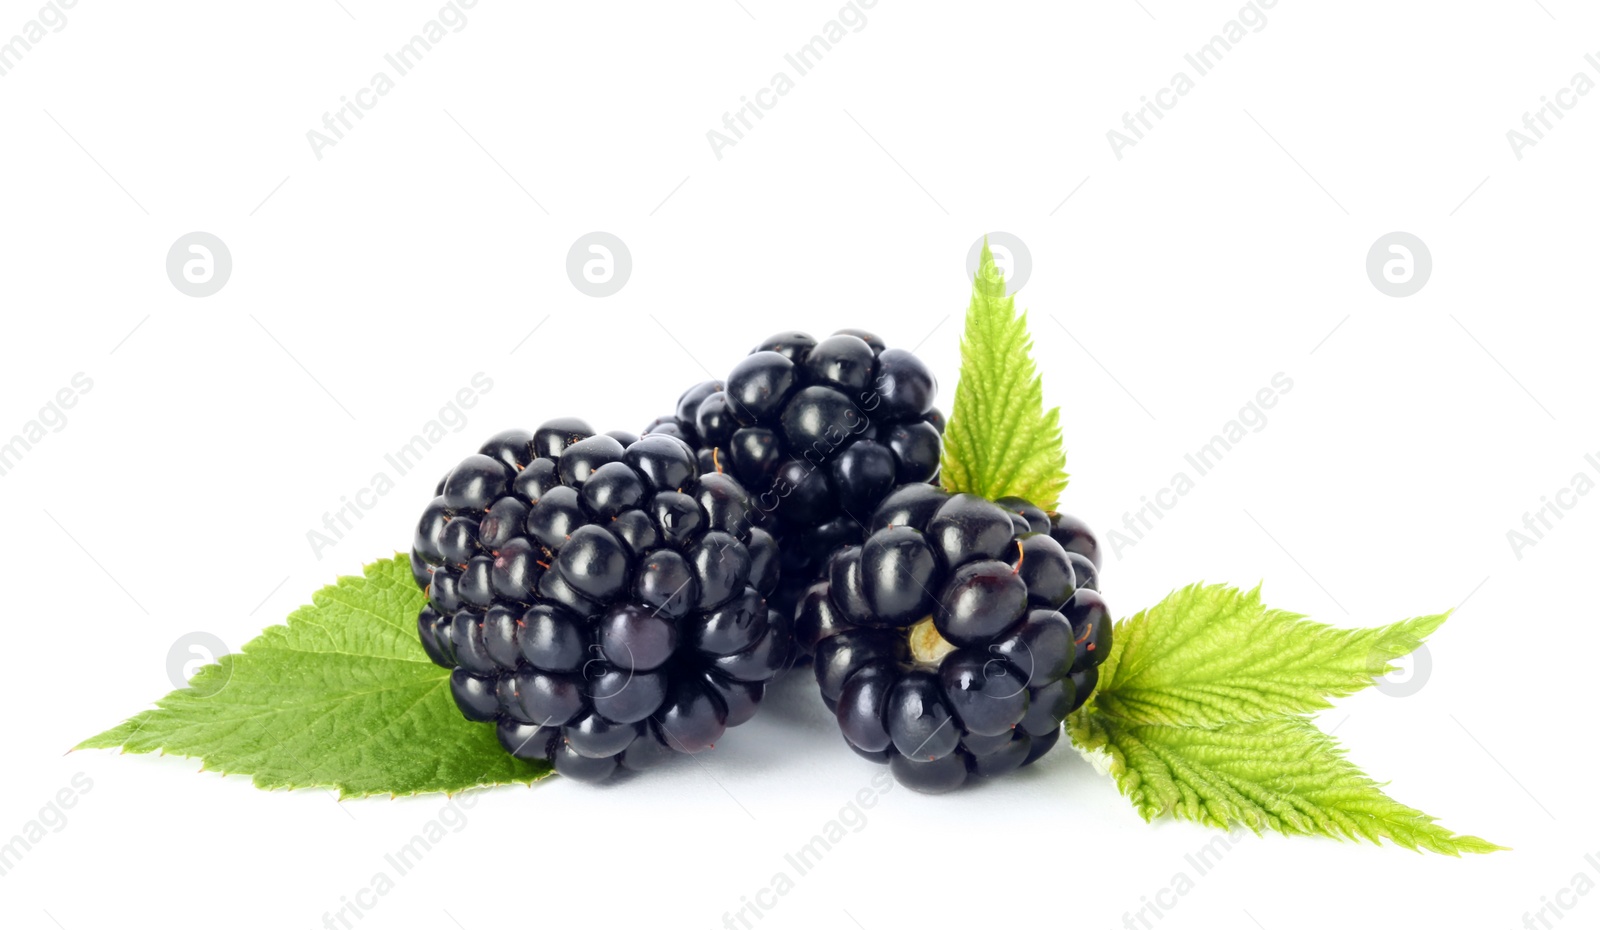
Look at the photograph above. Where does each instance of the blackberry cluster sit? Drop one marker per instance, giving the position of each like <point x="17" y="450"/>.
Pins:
<point x="602" y="601"/>
<point x="957" y="637"/>
<point x="819" y="432"/>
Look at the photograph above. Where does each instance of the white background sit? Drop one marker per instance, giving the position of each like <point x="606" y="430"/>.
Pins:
<point x="371" y="285"/>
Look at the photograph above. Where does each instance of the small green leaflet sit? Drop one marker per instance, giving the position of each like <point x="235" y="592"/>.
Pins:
<point x="1000" y="441"/>
<point x="1281" y="774"/>
<point x="1201" y="710"/>
<point x="1211" y="655"/>
<point x="342" y="697"/>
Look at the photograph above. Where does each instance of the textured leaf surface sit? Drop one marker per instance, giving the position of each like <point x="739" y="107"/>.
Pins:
<point x="1211" y="654"/>
<point x="1000" y="441"/>
<point x="342" y="696"/>
<point x="1199" y="715"/>
<point x="1281" y="774"/>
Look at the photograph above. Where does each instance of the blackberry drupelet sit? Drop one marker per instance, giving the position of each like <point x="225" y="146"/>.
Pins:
<point x="819" y="432"/>
<point x="603" y="604"/>
<point x="956" y="638"/>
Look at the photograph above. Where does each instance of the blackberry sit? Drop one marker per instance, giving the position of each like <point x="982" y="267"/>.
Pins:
<point x="819" y="432"/>
<point x="957" y="636"/>
<point x="603" y="604"/>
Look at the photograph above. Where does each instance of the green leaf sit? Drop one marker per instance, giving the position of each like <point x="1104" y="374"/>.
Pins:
<point x="1000" y="441"/>
<point x="342" y="697"/>
<point x="1200" y="714"/>
<point x="1281" y="774"/>
<point x="1211" y="654"/>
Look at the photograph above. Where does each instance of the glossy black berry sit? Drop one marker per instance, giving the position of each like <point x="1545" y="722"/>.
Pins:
<point x="613" y="488"/>
<point x="552" y="638"/>
<point x="716" y="419"/>
<point x="760" y="383"/>
<point x="897" y="568"/>
<point x="1045" y="569"/>
<point x="794" y="346"/>
<point x="936" y="777"/>
<point x="921" y="723"/>
<point x="1041" y="648"/>
<point x="1087" y="575"/>
<point x="512" y="447"/>
<point x="1091" y="628"/>
<point x="1008" y="758"/>
<point x="863" y="707"/>
<point x="980" y="602"/>
<point x="905" y="387"/>
<point x="818" y="431"/>
<point x="595" y="562"/>
<point x="915" y="447"/>
<point x="987" y="694"/>
<point x="689" y="402"/>
<point x="693" y="718"/>
<point x="551" y="439"/>
<point x="843" y="361"/>
<point x="1075" y="536"/>
<point x="912" y="505"/>
<point x="839" y="656"/>
<point x="635" y="638"/>
<point x="820" y="421"/>
<point x="862" y="474"/>
<point x="476" y="483"/>
<point x="597" y="598"/>
<point x="665" y="464"/>
<point x="967" y="527"/>
<point x="963" y="626"/>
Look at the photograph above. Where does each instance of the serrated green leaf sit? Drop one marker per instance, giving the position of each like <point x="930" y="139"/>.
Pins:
<point x="1199" y="714"/>
<point x="1212" y="654"/>
<point x="1280" y="774"/>
<point x="1000" y="441"/>
<point x="342" y="696"/>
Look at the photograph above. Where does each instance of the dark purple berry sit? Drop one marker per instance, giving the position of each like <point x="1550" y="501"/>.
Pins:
<point x="760" y="383"/>
<point x="592" y="593"/>
<point x="843" y="361"/>
<point x="863" y="707"/>
<point x="897" y="568"/>
<point x="946" y="773"/>
<point x="986" y="693"/>
<point x="905" y="387"/>
<point x="1041" y="648"/>
<point x="1075" y="536"/>
<point x="1091" y="629"/>
<point x="920" y="720"/>
<point x="981" y="601"/>
<point x="967" y="527"/>
<point x="632" y="637"/>
<point x="476" y="483"/>
<point x="552" y="438"/>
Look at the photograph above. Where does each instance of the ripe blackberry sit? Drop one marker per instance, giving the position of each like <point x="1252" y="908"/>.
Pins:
<point x="603" y="604"/>
<point x="819" y="432"/>
<point x="956" y="638"/>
